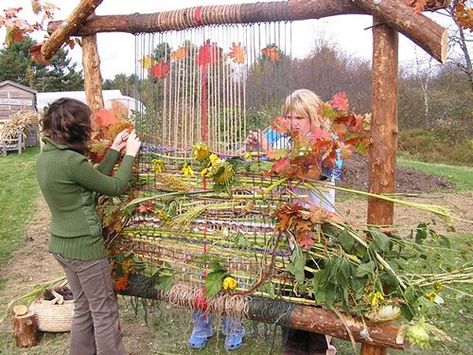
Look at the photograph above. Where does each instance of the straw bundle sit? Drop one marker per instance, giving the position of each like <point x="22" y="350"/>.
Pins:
<point x="21" y="122"/>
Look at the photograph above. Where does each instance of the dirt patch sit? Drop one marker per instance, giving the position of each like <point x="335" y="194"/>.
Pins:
<point x="408" y="180"/>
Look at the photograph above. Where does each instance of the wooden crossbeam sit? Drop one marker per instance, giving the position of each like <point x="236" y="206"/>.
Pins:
<point x="68" y="27"/>
<point x="296" y="316"/>
<point x="420" y="29"/>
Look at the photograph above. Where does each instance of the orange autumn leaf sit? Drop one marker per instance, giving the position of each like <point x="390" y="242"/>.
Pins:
<point x="37" y="56"/>
<point x="417" y="5"/>
<point x="271" y="52"/>
<point x="306" y="240"/>
<point x="104" y="118"/>
<point x="237" y="53"/>
<point x="121" y="283"/>
<point x="180" y="53"/>
<point x="464" y="16"/>
<point x="14" y="35"/>
<point x="111" y="131"/>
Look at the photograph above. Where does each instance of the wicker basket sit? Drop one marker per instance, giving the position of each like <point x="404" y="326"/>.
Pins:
<point x="55" y="315"/>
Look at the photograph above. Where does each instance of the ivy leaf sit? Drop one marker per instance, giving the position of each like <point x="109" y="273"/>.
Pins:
<point x="213" y="282"/>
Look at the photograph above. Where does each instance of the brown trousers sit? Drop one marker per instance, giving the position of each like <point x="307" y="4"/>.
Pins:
<point x="95" y="322"/>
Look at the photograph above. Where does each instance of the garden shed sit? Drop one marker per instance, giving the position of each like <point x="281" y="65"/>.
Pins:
<point x="13" y="98"/>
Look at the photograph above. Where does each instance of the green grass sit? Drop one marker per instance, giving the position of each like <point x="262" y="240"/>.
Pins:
<point x="18" y="194"/>
<point x="460" y="176"/>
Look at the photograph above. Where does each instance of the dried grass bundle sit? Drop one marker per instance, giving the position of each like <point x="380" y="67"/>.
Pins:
<point x="21" y="122"/>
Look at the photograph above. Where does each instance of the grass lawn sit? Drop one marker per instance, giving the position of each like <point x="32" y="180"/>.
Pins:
<point x="169" y="328"/>
<point x="18" y="194"/>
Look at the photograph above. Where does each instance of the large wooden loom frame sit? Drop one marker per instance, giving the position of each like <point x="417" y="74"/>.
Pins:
<point x="389" y="18"/>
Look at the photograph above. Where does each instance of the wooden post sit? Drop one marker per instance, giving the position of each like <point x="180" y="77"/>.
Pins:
<point x="66" y="28"/>
<point x="383" y="141"/>
<point x="25" y="327"/>
<point x="92" y="76"/>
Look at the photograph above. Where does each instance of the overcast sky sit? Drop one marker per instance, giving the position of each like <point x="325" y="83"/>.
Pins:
<point x="351" y="33"/>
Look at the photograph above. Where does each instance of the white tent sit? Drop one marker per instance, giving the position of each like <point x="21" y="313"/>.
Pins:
<point x="46" y="98"/>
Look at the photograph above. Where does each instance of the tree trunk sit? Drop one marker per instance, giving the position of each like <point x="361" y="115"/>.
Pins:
<point x="419" y="28"/>
<point x="25" y="328"/>
<point x="92" y="76"/>
<point x="66" y="28"/>
<point x="383" y="134"/>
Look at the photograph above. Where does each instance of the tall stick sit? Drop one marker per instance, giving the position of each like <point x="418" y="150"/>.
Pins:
<point x="383" y="140"/>
<point x="66" y="28"/>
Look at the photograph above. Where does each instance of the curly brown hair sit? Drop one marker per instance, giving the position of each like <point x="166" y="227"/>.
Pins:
<point x="67" y="121"/>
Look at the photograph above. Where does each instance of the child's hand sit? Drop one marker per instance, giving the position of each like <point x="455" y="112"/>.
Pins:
<point x="256" y="141"/>
<point x="120" y="140"/>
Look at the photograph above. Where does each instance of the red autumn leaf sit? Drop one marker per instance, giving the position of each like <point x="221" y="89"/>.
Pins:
<point x="340" y="101"/>
<point x="104" y="118"/>
<point x="200" y="302"/>
<point x="280" y="165"/>
<point x="237" y="53"/>
<point x="121" y="283"/>
<point x="146" y="207"/>
<point x="209" y="54"/>
<point x="271" y="52"/>
<point x="159" y="70"/>
<point x="306" y="240"/>
<point x="37" y="56"/>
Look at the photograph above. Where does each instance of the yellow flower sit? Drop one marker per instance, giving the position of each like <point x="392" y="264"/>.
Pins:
<point x="204" y="172"/>
<point x="221" y="172"/>
<point x="158" y="165"/>
<point x="375" y="298"/>
<point x="187" y="170"/>
<point x="201" y="151"/>
<point x="229" y="283"/>
<point x="431" y="296"/>
<point x="247" y="156"/>
<point x="214" y="159"/>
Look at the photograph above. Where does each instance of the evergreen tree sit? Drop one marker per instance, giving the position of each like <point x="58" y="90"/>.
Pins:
<point x="60" y="75"/>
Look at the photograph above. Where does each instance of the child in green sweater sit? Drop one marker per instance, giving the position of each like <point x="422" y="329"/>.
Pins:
<point x="69" y="184"/>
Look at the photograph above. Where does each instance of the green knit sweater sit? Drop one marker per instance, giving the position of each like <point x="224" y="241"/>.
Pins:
<point x="70" y="184"/>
